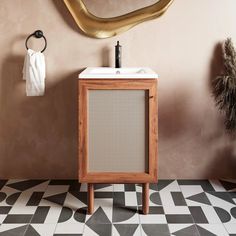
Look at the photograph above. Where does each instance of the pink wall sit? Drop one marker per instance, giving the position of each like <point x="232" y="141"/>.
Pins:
<point x="38" y="134"/>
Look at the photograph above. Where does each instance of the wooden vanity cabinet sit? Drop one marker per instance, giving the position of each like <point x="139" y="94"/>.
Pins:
<point x="117" y="133"/>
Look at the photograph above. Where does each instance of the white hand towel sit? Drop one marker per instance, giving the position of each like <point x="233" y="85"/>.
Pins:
<point x="34" y="73"/>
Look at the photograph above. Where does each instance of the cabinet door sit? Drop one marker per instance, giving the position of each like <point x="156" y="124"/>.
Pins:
<point x="117" y="131"/>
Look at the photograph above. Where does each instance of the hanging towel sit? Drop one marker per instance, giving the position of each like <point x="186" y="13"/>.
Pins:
<point x="34" y="73"/>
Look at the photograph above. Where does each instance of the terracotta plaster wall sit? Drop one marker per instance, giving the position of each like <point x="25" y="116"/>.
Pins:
<point x="38" y="137"/>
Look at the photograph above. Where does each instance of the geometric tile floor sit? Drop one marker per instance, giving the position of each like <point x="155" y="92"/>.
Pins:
<point x="59" y="208"/>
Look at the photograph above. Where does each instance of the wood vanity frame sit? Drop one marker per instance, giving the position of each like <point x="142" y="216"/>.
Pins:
<point x="144" y="178"/>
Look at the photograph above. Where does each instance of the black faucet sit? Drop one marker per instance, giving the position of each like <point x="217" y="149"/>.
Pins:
<point x="118" y="55"/>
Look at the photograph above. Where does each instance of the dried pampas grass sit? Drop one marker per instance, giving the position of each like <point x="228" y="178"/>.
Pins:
<point x="224" y="86"/>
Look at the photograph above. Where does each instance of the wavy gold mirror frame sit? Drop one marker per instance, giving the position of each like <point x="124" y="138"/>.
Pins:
<point x="97" y="27"/>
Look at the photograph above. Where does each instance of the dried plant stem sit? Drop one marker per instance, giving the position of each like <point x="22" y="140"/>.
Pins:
<point x="224" y="86"/>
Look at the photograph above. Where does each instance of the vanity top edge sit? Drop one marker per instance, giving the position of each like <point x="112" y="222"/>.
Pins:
<point x="118" y="73"/>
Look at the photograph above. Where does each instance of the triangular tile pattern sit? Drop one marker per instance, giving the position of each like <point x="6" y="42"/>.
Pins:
<point x="101" y="229"/>
<point x="126" y="229"/>
<point x="82" y="196"/>
<point x="98" y="217"/>
<point x="190" y="190"/>
<point x="222" y="195"/>
<point x="24" y="185"/>
<point x="190" y="230"/>
<point x="17" y="231"/>
<point x="58" y="198"/>
<point x="106" y="204"/>
<point x="201" y="198"/>
<point x="55" y="189"/>
<point x="44" y="229"/>
<point x="204" y="232"/>
<point x="59" y="207"/>
<point x="102" y="186"/>
<point x="163" y="183"/>
<point x="212" y="229"/>
<point x="205" y="184"/>
<point x="72" y="200"/>
<point x="31" y="232"/>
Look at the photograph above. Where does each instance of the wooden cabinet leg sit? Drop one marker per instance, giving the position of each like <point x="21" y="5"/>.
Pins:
<point x="90" y="198"/>
<point x="145" y="198"/>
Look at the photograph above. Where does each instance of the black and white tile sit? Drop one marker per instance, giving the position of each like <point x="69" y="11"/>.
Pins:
<point x="59" y="208"/>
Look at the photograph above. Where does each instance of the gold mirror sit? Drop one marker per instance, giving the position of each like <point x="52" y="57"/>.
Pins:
<point x="99" y="27"/>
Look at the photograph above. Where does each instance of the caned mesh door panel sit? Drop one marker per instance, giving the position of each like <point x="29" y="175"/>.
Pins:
<point x="117" y="130"/>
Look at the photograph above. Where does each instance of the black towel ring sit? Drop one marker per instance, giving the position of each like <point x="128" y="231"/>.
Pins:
<point x="37" y="34"/>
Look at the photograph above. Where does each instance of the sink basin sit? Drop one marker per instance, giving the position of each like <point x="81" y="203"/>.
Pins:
<point x="125" y="72"/>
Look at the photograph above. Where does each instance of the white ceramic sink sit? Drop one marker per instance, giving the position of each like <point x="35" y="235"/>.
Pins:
<point x="125" y="72"/>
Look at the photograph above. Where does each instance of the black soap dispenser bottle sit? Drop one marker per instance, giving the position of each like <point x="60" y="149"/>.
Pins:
<point x="118" y="50"/>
